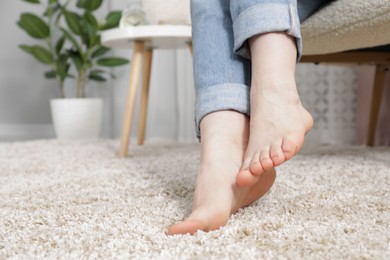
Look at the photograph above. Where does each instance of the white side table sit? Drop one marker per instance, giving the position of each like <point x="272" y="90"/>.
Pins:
<point x="143" y="39"/>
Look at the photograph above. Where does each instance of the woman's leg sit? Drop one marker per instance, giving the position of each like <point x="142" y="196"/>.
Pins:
<point x="222" y="80"/>
<point x="222" y="105"/>
<point x="278" y="121"/>
<point x="268" y="32"/>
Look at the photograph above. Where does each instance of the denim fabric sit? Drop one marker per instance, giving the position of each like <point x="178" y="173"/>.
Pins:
<point x="251" y="17"/>
<point x="221" y="55"/>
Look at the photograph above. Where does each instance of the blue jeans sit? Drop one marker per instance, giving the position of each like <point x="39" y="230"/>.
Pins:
<point x="221" y="55"/>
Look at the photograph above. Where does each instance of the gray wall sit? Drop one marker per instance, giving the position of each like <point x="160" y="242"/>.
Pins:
<point x="24" y="94"/>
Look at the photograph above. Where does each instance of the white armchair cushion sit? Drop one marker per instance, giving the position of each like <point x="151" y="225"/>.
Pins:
<point x="346" y="25"/>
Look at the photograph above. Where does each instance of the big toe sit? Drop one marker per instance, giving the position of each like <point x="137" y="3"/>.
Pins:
<point x="201" y="219"/>
<point x="189" y="226"/>
<point x="246" y="178"/>
<point x="291" y="145"/>
<point x="250" y="171"/>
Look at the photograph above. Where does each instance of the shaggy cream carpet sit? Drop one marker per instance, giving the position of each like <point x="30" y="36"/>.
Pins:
<point x="73" y="200"/>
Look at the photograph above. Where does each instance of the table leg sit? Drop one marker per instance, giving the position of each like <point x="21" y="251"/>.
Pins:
<point x="145" y="95"/>
<point x="135" y="72"/>
<point x="377" y="92"/>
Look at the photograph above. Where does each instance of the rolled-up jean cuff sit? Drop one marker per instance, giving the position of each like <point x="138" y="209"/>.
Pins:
<point x="263" y="18"/>
<point x="221" y="97"/>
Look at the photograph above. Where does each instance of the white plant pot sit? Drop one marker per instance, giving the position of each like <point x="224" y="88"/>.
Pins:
<point x="77" y="118"/>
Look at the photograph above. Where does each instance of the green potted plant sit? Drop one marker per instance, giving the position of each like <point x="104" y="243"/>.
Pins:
<point x="70" y="46"/>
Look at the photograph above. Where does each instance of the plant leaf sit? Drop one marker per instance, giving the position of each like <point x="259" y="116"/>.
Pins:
<point x="112" y="20"/>
<point x="33" y="1"/>
<point x="100" y="71"/>
<point x="50" y="74"/>
<point x="112" y="62"/>
<point x="97" y="42"/>
<point x="91" y="19"/>
<point x="89" y="33"/>
<point x="77" y="59"/>
<point x="34" y="26"/>
<point x="97" y="78"/>
<point x="97" y="72"/>
<point x="52" y="9"/>
<point x="64" y="72"/>
<point x="60" y="44"/>
<point x="89" y="5"/>
<point x="42" y="54"/>
<point x="73" y="21"/>
<point x="57" y="20"/>
<point x="26" y="48"/>
<point x="70" y="37"/>
<point x="62" y="59"/>
<point x="99" y="52"/>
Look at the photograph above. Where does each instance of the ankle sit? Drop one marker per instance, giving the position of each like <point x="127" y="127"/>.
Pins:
<point x="273" y="53"/>
<point x="281" y="88"/>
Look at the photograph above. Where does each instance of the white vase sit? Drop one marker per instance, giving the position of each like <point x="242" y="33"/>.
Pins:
<point x="77" y="118"/>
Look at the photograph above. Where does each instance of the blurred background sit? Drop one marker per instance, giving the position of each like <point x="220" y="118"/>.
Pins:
<point x="337" y="96"/>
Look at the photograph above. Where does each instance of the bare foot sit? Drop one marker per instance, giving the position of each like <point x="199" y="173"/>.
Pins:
<point x="217" y="195"/>
<point x="278" y="122"/>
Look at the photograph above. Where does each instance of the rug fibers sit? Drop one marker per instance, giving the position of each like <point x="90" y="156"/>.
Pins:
<point x="72" y="200"/>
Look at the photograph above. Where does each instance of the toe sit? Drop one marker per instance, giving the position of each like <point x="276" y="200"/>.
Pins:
<point x="289" y="147"/>
<point x="245" y="177"/>
<point x="255" y="165"/>
<point x="265" y="160"/>
<point x="277" y="154"/>
<point x="204" y="219"/>
<point x="190" y="226"/>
